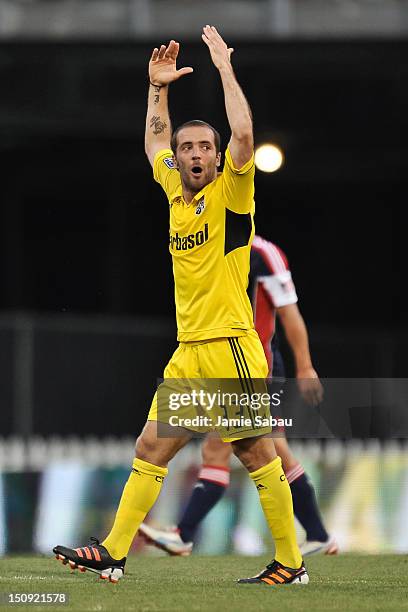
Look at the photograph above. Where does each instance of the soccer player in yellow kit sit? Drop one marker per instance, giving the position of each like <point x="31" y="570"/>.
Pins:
<point x="211" y="230"/>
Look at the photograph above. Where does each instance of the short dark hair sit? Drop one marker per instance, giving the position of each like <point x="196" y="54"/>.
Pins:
<point x="195" y="123"/>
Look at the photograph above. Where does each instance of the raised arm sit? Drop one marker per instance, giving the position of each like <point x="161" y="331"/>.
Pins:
<point x="162" y="72"/>
<point x="239" y="114"/>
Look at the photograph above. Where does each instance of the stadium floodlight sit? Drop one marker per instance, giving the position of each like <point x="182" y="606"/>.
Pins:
<point x="269" y="157"/>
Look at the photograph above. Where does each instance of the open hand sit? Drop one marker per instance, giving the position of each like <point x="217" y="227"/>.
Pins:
<point x="162" y="65"/>
<point x="310" y="386"/>
<point x="220" y="52"/>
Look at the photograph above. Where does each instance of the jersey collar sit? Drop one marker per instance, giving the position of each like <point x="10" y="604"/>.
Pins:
<point x="177" y="195"/>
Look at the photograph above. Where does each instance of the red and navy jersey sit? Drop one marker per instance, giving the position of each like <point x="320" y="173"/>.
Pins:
<point x="270" y="287"/>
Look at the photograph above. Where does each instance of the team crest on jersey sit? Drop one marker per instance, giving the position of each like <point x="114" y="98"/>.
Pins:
<point x="200" y="206"/>
<point x="169" y="161"/>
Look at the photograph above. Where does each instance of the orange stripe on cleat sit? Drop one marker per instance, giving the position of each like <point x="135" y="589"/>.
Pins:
<point x="79" y="552"/>
<point x="96" y="554"/>
<point x="284" y="573"/>
<point x="278" y="578"/>
<point x="88" y="553"/>
<point x="267" y="580"/>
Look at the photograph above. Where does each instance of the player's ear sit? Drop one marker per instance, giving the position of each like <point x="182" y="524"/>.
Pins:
<point x="175" y="162"/>
<point x="218" y="159"/>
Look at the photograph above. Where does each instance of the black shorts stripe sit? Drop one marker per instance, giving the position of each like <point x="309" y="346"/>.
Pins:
<point x="246" y="365"/>
<point x="246" y="383"/>
<point x="244" y="373"/>
<point x="237" y="365"/>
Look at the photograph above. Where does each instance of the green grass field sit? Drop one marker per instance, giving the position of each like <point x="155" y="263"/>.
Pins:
<point x="346" y="583"/>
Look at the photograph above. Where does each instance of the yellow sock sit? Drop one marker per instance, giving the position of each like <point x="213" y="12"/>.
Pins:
<point x="276" y="500"/>
<point x="140" y="492"/>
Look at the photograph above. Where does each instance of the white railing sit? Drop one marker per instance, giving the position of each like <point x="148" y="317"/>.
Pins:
<point x="243" y="18"/>
<point x="34" y="454"/>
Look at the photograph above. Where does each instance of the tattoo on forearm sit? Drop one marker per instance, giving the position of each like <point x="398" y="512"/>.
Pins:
<point x="158" y="125"/>
<point x="156" y="90"/>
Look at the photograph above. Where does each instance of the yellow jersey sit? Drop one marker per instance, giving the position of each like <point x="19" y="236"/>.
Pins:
<point x="210" y="242"/>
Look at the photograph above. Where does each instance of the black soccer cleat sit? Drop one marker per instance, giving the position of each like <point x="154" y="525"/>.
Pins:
<point x="94" y="558"/>
<point x="276" y="574"/>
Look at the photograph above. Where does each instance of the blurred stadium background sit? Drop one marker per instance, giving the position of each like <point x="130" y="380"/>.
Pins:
<point x="87" y="317"/>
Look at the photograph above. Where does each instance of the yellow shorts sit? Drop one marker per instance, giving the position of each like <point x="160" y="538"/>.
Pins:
<point x="241" y="358"/>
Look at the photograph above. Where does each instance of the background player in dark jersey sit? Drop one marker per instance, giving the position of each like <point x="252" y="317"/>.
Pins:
<point x="272" y="291"/>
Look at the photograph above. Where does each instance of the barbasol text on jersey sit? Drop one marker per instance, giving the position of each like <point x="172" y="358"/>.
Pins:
<point x="185" y="243"/>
